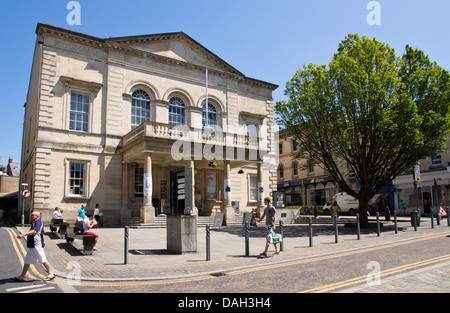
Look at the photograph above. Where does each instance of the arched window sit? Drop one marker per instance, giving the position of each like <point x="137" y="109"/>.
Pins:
<point x="140" y="108"/>
<point x="212" y="116"/>
<point x="177" y="114"/>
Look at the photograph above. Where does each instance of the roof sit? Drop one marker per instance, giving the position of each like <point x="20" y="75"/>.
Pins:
<point x="126" y="40"/>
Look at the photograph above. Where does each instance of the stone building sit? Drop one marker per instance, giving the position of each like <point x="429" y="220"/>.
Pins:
<point x="303" y="182"/>
<point x="124" y="122"/>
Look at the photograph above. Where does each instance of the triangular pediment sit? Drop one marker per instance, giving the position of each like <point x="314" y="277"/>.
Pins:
<point x="178" y="46"/>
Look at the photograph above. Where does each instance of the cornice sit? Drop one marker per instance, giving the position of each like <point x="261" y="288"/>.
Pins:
<point x="120" y="44"/>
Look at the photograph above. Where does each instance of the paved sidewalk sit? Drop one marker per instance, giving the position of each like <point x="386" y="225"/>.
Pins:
<point x="149" y="260"/>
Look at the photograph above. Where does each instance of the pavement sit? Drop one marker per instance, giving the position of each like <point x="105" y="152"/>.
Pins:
<point x="148" y="258"/>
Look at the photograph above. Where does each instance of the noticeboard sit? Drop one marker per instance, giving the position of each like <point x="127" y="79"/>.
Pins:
<point x="218" y="220"/>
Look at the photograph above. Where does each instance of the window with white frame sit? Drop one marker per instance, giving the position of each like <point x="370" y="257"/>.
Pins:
<point x="140" y="108"/>
<point x="79" y="112"/>
<point x="252" y="130"/>
<point x="252" y="188"/>
<point x="310" y="167"/>
<point x="177" y="111"/>
<point x="280" y="171"/>
<point x="138" y="182"/>
<point x="211" y="121"/>
<point x="77" y="179"/>
<point x="294" y="169"/>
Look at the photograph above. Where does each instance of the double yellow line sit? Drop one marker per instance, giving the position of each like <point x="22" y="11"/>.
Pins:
<point x="21" y="253"/>
<point x="363" y="279"/>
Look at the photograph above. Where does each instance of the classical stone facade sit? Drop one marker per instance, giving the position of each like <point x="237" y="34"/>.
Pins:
<point x="118" y="121"/>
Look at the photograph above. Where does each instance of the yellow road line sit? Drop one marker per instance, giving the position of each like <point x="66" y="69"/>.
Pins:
<point x="387" y="272"/>
<point x="20" y="251"/>
<point x="331" y="256"/>
<point x="249" y="270"/>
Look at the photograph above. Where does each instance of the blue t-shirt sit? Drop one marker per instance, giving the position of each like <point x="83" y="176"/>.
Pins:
<point x="81" y="213"/>
<point x="30" y="239"/>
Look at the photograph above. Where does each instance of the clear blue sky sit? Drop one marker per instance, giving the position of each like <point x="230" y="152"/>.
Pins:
<point x="266" y="40"/>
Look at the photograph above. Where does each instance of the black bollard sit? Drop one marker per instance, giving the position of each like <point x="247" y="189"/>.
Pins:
<point x="336" y="228"/>
<point x="208" y="243"/>
<point x="432" y="218"/>
<point x="358" y="227"/>
<point x="247" y="248"/>
<point x="378" y="224"/>
<point x="310" y="232"/>
<point x="414" y="219"/>
<point x="125" y="252"/>
<point x="395" y="222"/>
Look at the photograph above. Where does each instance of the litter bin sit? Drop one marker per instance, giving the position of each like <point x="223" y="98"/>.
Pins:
<point x="415" y="215"/>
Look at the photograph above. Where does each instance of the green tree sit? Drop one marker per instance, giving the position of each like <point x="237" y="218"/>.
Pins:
<point x="368" y="112"/>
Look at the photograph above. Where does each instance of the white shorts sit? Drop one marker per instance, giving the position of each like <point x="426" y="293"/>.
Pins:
<point x="35" y="255"/>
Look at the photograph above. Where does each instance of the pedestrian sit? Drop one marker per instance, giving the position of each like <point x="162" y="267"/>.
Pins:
<point x="335" y="212"/>
<point x="35" y="245"/>
<point x="316" y="211"/>
<point x="271" y="216"/>
<point x="57" y="214"/>
<point x="81" y="212"/>
<point x="88" y="223"/>
<point x="97" y="214"/>
<point x="402" y="207"/>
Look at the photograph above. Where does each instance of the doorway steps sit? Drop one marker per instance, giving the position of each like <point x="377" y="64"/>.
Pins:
<point x="161" y="222"/>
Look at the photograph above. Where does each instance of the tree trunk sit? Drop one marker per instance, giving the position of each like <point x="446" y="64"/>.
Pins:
<point x="363" y="208"/>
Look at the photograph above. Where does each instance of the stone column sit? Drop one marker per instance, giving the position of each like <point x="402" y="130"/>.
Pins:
<point x="147" y="210"/>
<point x="194" y="208"/>
<point x="227" y="208"/>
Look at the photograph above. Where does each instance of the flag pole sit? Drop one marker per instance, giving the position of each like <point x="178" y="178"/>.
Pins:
<point x="206" y="103"/>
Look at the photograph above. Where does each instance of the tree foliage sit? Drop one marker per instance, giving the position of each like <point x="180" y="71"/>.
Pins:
<point x="369" y="112"/>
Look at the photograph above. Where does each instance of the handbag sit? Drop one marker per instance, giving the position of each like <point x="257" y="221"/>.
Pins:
<point x="275" y="238"/>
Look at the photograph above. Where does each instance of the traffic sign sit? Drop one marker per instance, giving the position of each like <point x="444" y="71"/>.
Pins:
<point x="26" y="193"/>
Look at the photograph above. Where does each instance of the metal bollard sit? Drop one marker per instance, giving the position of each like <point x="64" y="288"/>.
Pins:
<point x="432" y="218"/>
<point x="247" y="247"/>
<point x="358" y="227"/>
<point x="282" y="236"/>
<point x="378" y="224"/>
<point x="208" y="243"/>
<point x="336" y="228"/>
<point x="395" y="222"/>
<point x="414" y="218"/>
<point x="126" y="237"/>
<point x="310" y="232"/>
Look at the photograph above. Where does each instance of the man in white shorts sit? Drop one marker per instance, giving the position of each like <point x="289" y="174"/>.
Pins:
<point x="35" y="245"/>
